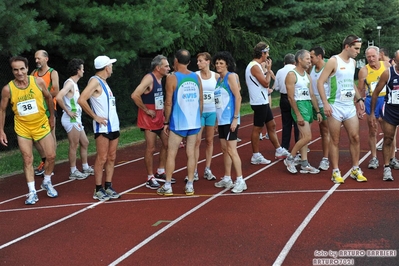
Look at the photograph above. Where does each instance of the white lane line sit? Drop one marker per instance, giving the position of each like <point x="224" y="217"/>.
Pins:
<point x="284" y="252"/>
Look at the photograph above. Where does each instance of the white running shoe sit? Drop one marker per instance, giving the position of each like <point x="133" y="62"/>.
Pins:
<point x="259" y="160"/>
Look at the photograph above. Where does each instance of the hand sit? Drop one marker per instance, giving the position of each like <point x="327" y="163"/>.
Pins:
<point x="233" y="125"/>
<point x="300" y="121"/>
<point x="3" y="139"/>
<point x="166" y="130"/>
<point x="151" y="113"/>
<point x="327" y="110"/>
<point x="101" y="120"/>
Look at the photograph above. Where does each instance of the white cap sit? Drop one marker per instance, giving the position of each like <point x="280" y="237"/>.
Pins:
<point x="103" y="61"/>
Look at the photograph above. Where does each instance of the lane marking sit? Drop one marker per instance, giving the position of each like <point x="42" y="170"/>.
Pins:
<point x="294" y="237"/>
<point x="161" y="221"/>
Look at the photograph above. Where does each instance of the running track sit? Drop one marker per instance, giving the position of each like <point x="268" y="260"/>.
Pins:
<point x="282" y="219"/>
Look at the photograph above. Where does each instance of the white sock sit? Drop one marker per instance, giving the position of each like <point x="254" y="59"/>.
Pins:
<point x="85" y="166"/>
<point x="160" y="171"/>
<point x="279" y="149"/>
<point x="239" y="178"/>
<point x="73" y="169"/>
<point x="31" y="186"/>
<point x="150" y="176"/>
<point x="47" y="179"/>
<point x="226" y="178"/>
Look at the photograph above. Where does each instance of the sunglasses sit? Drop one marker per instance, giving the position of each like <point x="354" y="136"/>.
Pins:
<point x="266" y="49"/>
<point x="356" y="40"/>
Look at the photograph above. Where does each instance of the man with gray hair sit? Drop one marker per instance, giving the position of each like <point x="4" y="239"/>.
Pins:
<point x="301" y="97"/>
<point x="369" y="76"/>
<point x="149" y="98"/>
<point x="285" y="107"/>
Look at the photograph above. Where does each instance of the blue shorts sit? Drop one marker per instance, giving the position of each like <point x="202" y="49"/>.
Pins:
<point x="378" y="106"/>
<point x="208" y="119"/>
<point x="185" y="133"/>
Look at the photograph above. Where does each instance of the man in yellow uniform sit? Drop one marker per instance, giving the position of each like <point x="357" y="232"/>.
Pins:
<point x="28" y="96"/>
<point x="369" y="75"/>
<point x="51" y="79"/>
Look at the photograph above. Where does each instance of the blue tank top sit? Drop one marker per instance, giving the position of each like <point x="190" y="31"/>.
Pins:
<point x="186" y="114"/>
<point x="225" y="102"/>
<point x="155" y="93"/>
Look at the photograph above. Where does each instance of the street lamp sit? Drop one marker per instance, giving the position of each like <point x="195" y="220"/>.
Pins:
<point x="379" y="35"/>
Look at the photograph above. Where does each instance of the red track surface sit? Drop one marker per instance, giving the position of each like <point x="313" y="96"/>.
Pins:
<point x="282" y="219"/>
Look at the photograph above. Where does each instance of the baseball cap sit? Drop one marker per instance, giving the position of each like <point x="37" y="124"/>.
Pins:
<point x="103" y="61"/>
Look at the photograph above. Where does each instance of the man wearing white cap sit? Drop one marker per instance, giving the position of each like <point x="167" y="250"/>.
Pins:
<point x="105" y="125"/>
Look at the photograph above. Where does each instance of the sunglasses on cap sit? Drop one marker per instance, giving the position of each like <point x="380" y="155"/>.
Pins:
<point x="266" y="49"/>
<point x="356" y="40"/>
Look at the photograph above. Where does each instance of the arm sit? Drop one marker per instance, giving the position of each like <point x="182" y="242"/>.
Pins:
<point x="92" y="88"/>
<point x="362" y="81"/>
<point x="314" y="100"/>
<point x="5" y="98"/>
<point x="55" y="81"/>
<point x="144" y="86"/>
<point x="49" y="100"/>
<point x="290" y="85"/>
<point x="329" y="69"/>
<point x="201" y="95"/>
<point x="380" y="85"/>
<point x="359" y="101"/>
<point x="66" y="90"/>
<point x="264" y="80"/>
<point x="170" y="87"/>
<point x="232" y="80"/>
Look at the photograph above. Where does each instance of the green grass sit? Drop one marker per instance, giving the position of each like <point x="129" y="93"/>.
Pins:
<point x="11" y="162"/>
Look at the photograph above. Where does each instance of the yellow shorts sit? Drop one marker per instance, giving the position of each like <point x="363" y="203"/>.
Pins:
<point x="35" y="133"/>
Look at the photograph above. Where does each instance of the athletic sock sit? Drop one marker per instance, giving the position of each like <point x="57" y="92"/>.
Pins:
<point x="107" y="185"/>
<point x="73" y="169"/>
<point x="85" y="166"/>
<point x="31" y="186"/>
<point x="98" y="187"/>
<point x="149" y="177"/>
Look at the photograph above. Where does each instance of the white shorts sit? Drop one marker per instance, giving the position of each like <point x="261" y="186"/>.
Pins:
<point x="68" y="124"/>
<point x="343" y="112"/>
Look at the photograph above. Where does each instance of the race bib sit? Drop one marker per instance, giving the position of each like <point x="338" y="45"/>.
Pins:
<point x="347" y="95"/>
<point x="209" y="97"/>
<point x="395" y="97"/>
<point x="27" y="107"/>
<point x="112" y="103"/>
<point x="303" y="94"/>
<point x="159" y="103"/>
<point x="373" y="85"/>
<point x="218" y="99"/>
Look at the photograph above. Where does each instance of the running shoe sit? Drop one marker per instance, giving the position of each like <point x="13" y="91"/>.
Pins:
<point x="208" y="175"/>
<point x="239" y="186"/>
<point x="31" y="198"/>
<point x="373" y="163"/>
<point x="267" y="136"/>
<point x="387" y="174"/>
<point x="51" y="192"/>
<point x="101" y="195"/>
<point x="282" y="154"/>
<point x="260" y="136"/>
<point x="226" y="183"/>
<point x="297" y="159"/>
<point x="290" y="163"/>
<point x="77" y="175"/>
<point x="189" y="190"/>
<point x="259" y="159"/>
<point x="40" y="169"/>
<point x="162" y="178"/>
<point x="196" y="178"/>
<point x="394" y="163"/>
<point x="112" y="193"/>
<point x="357" y="174"/>
<point x="309" y="170"/>
<point x="165" y="192"/>
<point x="88" y="171"/>
<point x="379" y="147"/>
<point x="337" y="178"/>
<point x="238" y="139"/>
<point x="152" y="184"/>
<point x="324" y="164"/>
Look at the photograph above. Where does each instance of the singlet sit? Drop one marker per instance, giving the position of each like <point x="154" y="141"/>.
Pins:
<point x="258" y="95"/>
<point x="153" y="100"/>
<point x="28" y="105"/>
<point x="208" y="88"/>
<point x="225" y="102"/>
<point x="392" y="96"/>
<point x="373" y="76"/>
<point x="315" y="75"/>
<point x="47" y="80"/>
<point x="186" y="113"/>
<point x="105" y="106"/>
<point x="341" y="84"/>
<point x="72" y="103"/>
<point x="301" y="87"/>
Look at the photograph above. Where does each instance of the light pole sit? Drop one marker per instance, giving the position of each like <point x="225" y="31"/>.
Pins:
<point x="379" y="35"/>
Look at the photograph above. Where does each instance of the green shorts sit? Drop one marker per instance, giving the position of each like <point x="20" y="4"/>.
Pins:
<point x="321" y="112"/>
<point x="306" y="110"/>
